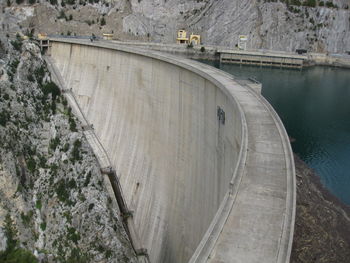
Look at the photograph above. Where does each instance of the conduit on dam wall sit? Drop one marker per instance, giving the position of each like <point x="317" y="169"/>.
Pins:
<point x="177" y="138"/>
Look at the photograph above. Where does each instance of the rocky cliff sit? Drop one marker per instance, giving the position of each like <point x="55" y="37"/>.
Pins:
<point x="322" y="26"/>
<point x="322" y="224"/>
<point x="53" y="199"/>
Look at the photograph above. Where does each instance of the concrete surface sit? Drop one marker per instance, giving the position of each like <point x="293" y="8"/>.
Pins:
<point x="201" y="189"/>
<point x="110" y="179"/>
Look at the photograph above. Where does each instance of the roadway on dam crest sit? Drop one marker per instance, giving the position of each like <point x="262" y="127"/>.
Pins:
<point x="204" y="162"/>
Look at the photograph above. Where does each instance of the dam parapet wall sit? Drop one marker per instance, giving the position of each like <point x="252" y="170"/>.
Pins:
<point x="203" y="162"/>
<point x="224" y="54"/>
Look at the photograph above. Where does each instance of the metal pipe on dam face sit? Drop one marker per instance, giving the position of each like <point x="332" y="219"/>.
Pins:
<point x="204" y="163"/>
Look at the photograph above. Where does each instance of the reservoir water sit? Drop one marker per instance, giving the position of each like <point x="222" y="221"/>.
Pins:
<point x="314" y="105"/>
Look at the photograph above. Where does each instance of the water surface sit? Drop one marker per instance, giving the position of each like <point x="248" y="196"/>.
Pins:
<point x="314" y="105"/>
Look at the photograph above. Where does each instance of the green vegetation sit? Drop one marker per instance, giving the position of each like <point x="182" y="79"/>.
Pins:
<point x="31" y="164"/>
<point x="108" y="253"/>
<point x="51" y="88"/>
<point x="18" y="255"/>
<point x="103" y="21"/>
<point x="23" y="117"/>
<point x="73" y="235"/>
<point x="13" y="253"/>
<point x="30" y="77"/>
<point x="76" y="256"/>
<point x="6" y="96"/>
<point x="72" y="124"/>
<point x="54" y="143"/>
<point x="62" y="15"/>
<point x="87" y="179"/>
<point x="310" y="3"/>
<point x="11" y="233"/>
<point x="72" y="184"/>
<point x="62" y="191"/>
<point x="38" y="204"/>
<point x="75" y="154"/>
<point x="43" y="226"/>
<point x="27" y="218"/>
<point x="4" y="117"/>
<point x="330" y="4"/>
<point x="12" y="69"/>
<point x="68" y="216"/>
<point x="17" y="44"/>
<point x="69" y="2"/>
<point x="295" y="2"/>
<point x="91" y="206"/>
<point x="90" y="22"/>
<point x="65" y="147"/>
<point x="39" y="74"/>
<point x="81" y="197"/>
<point x="307" y="3"/>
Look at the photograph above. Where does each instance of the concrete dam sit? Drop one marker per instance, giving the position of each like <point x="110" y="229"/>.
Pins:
<point x="204" y="161"/>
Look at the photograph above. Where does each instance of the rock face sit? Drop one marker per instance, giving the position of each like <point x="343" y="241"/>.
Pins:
<point x="268" y="24"/>
<point x="50" y="181"/>
<point x="322" y="226"/>
<point x="278" y="25"/>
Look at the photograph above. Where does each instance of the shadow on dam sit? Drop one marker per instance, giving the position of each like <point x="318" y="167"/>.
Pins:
<point x="179" y="142"/>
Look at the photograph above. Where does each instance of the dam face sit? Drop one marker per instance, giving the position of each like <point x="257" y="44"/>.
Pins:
<point x="160" y="127"/>
<point x="179" y="141"/>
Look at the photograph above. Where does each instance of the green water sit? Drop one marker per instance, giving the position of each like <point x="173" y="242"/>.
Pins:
<point x="314" y="105"/>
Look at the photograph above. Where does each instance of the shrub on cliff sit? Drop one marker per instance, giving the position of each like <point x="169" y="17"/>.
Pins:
<point x="103" y="21"/>
<point x="51" y="88"/>
<point x="17" y="44"/>
<point x="330" y="4"/>
<point x="310" y="3"/>
<point x="13" y="253"/>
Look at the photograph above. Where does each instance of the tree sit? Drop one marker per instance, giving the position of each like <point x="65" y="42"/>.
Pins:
<point x="103" y="21"/>
<point x="10" y="232"/>
<point x="310" y="3"/>
<point x="13" y="253"/>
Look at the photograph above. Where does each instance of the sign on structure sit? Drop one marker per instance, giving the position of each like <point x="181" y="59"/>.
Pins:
<point x="242" y="42"/>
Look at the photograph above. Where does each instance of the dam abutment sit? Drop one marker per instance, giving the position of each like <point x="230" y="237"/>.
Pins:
<point x="198" y="156"/>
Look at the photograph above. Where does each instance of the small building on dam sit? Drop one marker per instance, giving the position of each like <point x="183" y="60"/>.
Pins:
<point x="200" y="162"/>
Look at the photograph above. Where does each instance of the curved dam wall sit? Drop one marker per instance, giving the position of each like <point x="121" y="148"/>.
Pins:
<point x="159" y="124"/>
<point x="204" y="161"/>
